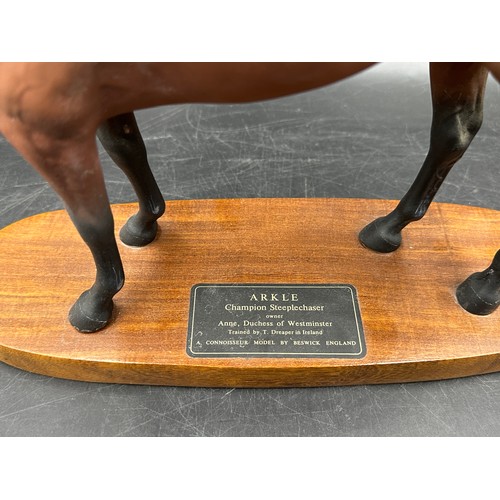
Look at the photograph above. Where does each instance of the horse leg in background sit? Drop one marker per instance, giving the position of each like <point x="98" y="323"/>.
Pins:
<point x="71" y="166"/>
<point x="457" y="98"/>
<point x="122" y="140"/>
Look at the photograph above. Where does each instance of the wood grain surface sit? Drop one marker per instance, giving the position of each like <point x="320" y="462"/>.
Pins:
<point x="413" y="326"/>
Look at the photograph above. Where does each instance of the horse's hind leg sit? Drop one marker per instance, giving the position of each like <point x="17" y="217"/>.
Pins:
<point x="71" y="166"/>
<point x="122" y="140"/>
<point x="94" y="221"/>
<point x="480" y="292"/>
<point x="457" y="97"/>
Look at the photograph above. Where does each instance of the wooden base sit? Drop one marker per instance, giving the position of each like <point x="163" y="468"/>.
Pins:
<point x="413" y="326"/>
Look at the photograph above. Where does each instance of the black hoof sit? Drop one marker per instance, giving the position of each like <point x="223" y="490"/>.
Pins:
<point x="478" y="295"/>
<point x="376" y="236"/>
<point x="135" y="234"/>
<point x="87" y="316"/>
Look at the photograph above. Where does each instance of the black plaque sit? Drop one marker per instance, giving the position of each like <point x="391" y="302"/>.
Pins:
<point x="291" y="321"/>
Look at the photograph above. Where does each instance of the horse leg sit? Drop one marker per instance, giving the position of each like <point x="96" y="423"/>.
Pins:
<point x="122" y="140"/>
<point x="71" y="166"/>
<point x="457" y="98"/>
<point x="480" y="292"/>
<point x="93" y="310"/>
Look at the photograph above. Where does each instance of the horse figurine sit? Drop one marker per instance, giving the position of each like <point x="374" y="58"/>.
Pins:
<point x="52" y="112"/>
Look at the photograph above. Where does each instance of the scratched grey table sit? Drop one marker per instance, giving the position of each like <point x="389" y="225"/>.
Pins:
<point x="365" y="137"/>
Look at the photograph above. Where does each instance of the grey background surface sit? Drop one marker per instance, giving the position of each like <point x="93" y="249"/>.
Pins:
<point x="365" y="137"/>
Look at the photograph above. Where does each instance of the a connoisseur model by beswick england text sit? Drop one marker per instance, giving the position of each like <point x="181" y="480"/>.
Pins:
<point x="52" y="113"/>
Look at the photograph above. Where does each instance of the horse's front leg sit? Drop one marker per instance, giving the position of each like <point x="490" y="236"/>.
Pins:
<point x="122" y="140"/>
<point x="72" y="168"/>
<point x="457" y="98"/>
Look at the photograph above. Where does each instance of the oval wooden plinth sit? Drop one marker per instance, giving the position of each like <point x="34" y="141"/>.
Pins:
<point x="414" y="328"/>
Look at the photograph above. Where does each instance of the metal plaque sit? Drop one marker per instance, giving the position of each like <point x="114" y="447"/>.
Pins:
<point x="292" y="321"/>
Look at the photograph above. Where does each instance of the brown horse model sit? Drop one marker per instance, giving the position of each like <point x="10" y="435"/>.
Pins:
<point x="52" y="112"/>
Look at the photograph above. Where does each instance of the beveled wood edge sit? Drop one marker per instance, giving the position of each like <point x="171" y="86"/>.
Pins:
<point x="249" y="377"/>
